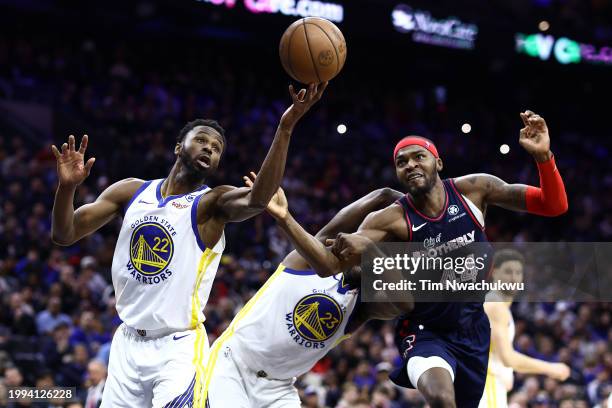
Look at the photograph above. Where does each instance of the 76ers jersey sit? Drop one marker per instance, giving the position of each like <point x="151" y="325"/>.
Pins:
<point x="292" y="322"/>
<point x="162" y="272"/>
<point x="457" y="229"/>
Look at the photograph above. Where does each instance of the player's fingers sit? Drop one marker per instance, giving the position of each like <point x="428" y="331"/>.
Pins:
<point x="529" y="113"/>
<point x="64" y="148"/>
<point x="56" y="152"/>
<point x="247" y="181"/>
<point x="322" y="88"/>
<point x="89" y="164"/>
<point x="524" y="119"/>
<point x="71" y="143"/>
<point x="330" y="241"/>
<point x="301" y="95"/>
<point x="253" y="175"/>
<point x="83" y="145"/>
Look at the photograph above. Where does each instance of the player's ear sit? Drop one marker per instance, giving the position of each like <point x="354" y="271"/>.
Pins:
<point x="439" y="164"/>
<point x="177" y="148"/>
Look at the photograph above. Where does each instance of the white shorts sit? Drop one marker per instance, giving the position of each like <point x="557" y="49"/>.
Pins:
<point x="164" y="371"/>
<point x="235" y="385"/>
<point x="495" y="394"/>
<point x="417" y="365"/>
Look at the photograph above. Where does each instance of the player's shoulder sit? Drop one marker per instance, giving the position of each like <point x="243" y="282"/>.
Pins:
<point x="123" y="190"/>
<point x="474" y="182"/>
<point x="497" y="311"/>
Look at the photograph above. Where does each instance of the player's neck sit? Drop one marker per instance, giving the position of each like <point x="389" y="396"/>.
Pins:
<point x="503" y="297"/>
<point x="180" y="181"/>
<point x="432" y="202"/>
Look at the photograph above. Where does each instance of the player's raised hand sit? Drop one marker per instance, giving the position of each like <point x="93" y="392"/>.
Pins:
<point x="71" y="167"/>
<point x="534" y="136"/>
<point x="278" y="207"/>
<point x="302" y="102"/>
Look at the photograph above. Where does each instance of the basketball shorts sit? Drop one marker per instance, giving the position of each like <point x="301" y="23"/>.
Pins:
<point x="464" y="352"/>
<point x="495" y="394"/>
<point x="234" y="384"/>
<point x="154" y="371"/>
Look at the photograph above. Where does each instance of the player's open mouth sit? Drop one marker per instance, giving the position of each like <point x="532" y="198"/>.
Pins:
<point x="414" y="176"/>
<point x="204" y="161"/>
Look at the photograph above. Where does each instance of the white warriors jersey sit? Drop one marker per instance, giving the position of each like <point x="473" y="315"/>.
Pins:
<point x="292" y="322"/>
<point x="162" y="272"/>
<point x="496" y="368"/>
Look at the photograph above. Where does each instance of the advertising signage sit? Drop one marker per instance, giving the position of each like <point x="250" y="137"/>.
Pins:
<point x="445" y="32"/>
<point x="298" y="8"/>
<point x="563" y="49"/>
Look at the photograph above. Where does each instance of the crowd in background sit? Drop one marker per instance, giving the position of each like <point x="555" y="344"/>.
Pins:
<point x="57" y="314"/>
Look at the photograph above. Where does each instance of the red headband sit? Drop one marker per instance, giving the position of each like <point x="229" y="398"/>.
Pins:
<point x="415" y="140"/>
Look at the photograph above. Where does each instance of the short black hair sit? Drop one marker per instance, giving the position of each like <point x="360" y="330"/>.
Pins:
<point x="201" y="122"/>
<point x="505" y="255"/>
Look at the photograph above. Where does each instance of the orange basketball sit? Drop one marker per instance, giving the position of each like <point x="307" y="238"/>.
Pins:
<point x="312" y="49"/>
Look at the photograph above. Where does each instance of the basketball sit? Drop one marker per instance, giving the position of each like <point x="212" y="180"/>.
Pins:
<point x="312" y="49"/>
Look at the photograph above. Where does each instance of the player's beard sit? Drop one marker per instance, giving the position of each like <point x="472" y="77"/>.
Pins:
<point x="191" y="169"/>
<point x="415" y="191"/>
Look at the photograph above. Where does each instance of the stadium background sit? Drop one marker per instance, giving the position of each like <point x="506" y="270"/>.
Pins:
<point x="130" y="74"/>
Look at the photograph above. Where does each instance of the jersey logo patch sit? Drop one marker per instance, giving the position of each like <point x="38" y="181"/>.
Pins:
<point x="317" y="317"/>
<point x="453" y="210"/>
<point x="151" y="248"/>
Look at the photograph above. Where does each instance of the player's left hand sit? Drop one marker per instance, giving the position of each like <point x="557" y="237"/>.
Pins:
<point x="534" y="136"/>
<point x="345" y="246"/>
<point x="302" y="102"/>
<point x="278" y="207"/>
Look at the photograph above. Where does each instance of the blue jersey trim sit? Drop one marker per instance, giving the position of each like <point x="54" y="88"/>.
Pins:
<point x="194" y="222"/>
<point x="136" y="194"/>
<point x="304" y="272"/>
<point x="163" y="201"/>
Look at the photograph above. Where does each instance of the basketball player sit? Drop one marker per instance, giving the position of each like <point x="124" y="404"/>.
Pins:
<point x="445" y="345"/>
<point x="292" y="321"/>
<point x="503" y="359"/>
<point x="167" y="253"/>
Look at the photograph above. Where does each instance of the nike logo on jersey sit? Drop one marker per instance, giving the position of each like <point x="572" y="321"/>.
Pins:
<point x="415" y="229"/>
<point x="144" y="202"/>
<point x="180" y="337"/>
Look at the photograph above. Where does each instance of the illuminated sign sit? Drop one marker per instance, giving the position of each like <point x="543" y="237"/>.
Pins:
<point x="298" y="8"/>
<point x="447" y="32"/>
<point x="565" y="50"/>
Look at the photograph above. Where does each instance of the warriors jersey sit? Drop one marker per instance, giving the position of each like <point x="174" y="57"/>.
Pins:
<point x="292" y="322"/>
<point x="162" y="272"/>
<point x="496" y="368"/>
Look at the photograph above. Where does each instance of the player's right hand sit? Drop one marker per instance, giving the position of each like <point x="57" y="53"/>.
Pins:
<point x="71" y="167"/>
<point x="559" y="371"/>
<point x="278" y="207"/>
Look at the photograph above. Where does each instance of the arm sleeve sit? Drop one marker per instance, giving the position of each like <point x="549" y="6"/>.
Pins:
<point x="550" y="198"/>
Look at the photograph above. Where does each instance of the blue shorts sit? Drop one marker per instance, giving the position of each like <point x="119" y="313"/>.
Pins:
<point x="465" y="349"/>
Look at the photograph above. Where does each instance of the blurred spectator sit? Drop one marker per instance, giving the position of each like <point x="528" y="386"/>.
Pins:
<point x="96" y="372"/>
<point x="51" y="316"/>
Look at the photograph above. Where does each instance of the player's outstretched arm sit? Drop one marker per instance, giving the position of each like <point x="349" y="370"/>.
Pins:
<point x="550" y="199"/>
<point x="499" y="317"/>
<point x="238" y="204"/>
<point x="350" y="217"/>
<point x="68" y="225"/>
